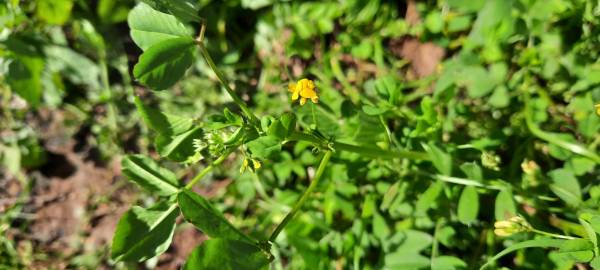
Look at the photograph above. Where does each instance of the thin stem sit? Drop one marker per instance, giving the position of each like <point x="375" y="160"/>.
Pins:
<point x="224" y="82"/>
<point x="206" y="170"/>
<point x="553" y="234"/>
<point x="306" y="194"/>
<point x="553" y="137"/>
<point x="200" y="37"/>
<point x="365" y="151"/>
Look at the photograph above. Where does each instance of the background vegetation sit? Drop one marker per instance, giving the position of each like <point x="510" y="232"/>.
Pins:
<point x="498" y="95"/>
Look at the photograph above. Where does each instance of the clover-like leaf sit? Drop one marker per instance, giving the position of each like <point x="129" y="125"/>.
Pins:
<point x="144" y="233"/>
<point x="165" y="62"/>
<point x="202" y="214"/>
<point x="148" y="174"/>
<point x="149" y="26"/>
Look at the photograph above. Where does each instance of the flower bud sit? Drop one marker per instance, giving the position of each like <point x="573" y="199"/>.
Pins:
<point x="511" y="226"/>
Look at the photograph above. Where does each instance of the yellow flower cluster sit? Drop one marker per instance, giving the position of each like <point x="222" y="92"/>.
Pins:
<point x="304" y="89"/>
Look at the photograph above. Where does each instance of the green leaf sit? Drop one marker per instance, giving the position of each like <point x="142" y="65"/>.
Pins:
<point x="389" y="196"/>
<point x="165" y="62"/>
<point x="264" y="147"/>
<point x="163" y="123"/>
<point x="202" y="214"/>
<point x="434" y="22"/>
<point x="144" y="233"/>
<point x="595" y="263"/>
<point x="500" y="98"/>
<point x="542" y="243"/>
<point x="24" y="77"/>
<point x="149" y="26"/>
<point x="149" y="175"/>
<point x="428" y="198"/>
<point x="282" y="127"/>
<point x="226" y="254"/>
<point x="578" y="250"/>
<point x="54" y="11"/>
<point x="380" y="228"/>
<point x="589" y="230"/>
<point x="468" y="205"/>
<point x="288" y="121"/>
<point x="580" y="165"/>
<point x="74" y="66"/>
<point x="375" y="110"/>
<point x="112" y="11"/>
<point x="277" y="130"/>
<point x="185" y="10"/>
<point x="179" y="147"/>
<point x="440" y="159"/>
<point x="368" y="207"/>
<point x="505" y="206"/>
<point x="407" y="256"/>
<point x="447" y="263"/>
<point x="466" y="5"/>
<point x="477" y="80"/>
<point x="406" y="261"/>
<point x="595" y="223"/>
<point x="472" y="170"/>
<point x="566" y="186"/>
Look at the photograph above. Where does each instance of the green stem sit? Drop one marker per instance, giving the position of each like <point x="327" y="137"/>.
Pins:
<point x="225" y="83"/>
<point x="365" y="151"/>
<point x="553" y="138"/>
<point x="553" y="234"/>
<point x="302" y="200"/>
<point x="206" y="170"/>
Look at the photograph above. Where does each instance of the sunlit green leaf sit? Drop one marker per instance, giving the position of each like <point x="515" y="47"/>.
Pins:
<point x="149" y="26"/>
<point x="165" y="62"/>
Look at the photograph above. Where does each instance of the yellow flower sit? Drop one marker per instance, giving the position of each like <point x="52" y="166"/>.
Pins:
<point x="256" y="164"/>
<point x="304" y="89"/>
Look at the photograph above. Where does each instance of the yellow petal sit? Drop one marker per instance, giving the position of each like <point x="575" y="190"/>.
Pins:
<point x="295" y="95"/>
<point x="502" y="224"/>
<point x="256" y="164"/>
<point x="302" y="101"/>
<point x="291" y="87"/>
<point x="502" y="232"/>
